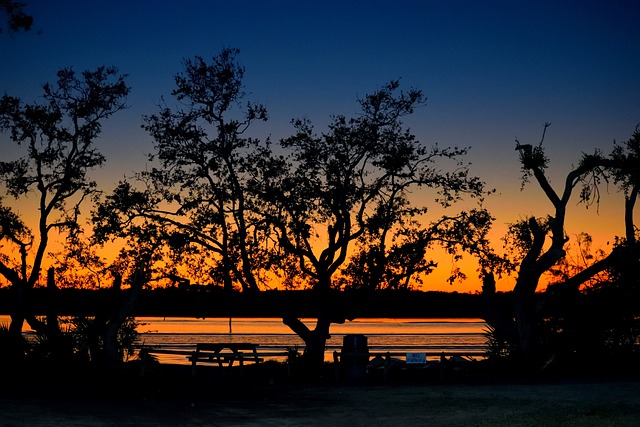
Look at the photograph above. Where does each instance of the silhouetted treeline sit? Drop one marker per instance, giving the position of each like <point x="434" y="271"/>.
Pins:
<point x="215" y="302"/>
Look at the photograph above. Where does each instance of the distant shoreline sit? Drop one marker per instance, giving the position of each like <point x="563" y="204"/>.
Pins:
<point x="211" y="302"/>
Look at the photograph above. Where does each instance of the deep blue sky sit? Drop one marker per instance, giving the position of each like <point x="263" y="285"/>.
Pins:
<point x="492" y="70"/>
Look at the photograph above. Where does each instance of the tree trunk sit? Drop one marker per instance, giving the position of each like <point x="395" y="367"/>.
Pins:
<point x="316" y="344"/>
<point x="534" y="264"/>
<point x="61" y="344"/>
<point x="315" y="341"/>
<point x="526" y="322"/>
<point x="18" y="316"/>
<point x="120" y="313"/>
<point x="495" y="315"/>
<point x="53" y="328"/>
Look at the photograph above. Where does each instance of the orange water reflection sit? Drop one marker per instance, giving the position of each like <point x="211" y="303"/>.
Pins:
<point x="184" y="325"/>
<point x="258" y="325"/>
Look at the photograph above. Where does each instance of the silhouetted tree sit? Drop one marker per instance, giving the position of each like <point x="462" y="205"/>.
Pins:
<point x="598" y="321"/>
<point x="538" y="256"/>
<point x="623" y="166"/>
<point x="293" y="212"/>
<point x="605" y="314"/>
<point x="197" y="194"/>
<point x="147" y="248"/>
<point x="58" y="137"/>
<point x="350" y="188"/>
<point x="397" y="256"/>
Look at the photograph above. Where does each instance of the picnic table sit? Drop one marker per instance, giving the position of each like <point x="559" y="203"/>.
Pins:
<point x="224" y="354"/>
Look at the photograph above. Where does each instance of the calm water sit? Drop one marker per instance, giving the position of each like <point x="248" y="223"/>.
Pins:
<point x="382" y="334"/>
<point x="182" y="333"/>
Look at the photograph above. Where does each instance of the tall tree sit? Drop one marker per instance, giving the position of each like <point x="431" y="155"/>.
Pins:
<point x="293" y="211"/>
<point x="58" y="137"/>
<point x="353" y="188"/>
<point x="197" y="191"/>
<point x="541" y="242"/>
<point x="623" y="166"/>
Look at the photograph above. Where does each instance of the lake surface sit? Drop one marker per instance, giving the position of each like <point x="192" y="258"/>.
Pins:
<point x="383" y="334"/>
<point x="451" y="334"/>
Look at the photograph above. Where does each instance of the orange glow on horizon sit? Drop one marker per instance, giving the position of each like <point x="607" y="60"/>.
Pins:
<point x="603" y="223"/>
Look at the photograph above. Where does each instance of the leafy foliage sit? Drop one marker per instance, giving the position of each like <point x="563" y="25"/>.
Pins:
<point x="572" y="322"/>
<point x="194" y="202"/>
<point x="57" y="140"/>
<point x="352" y="187"/>
<point x="295" y="211"/>
<point x="59" y="137"/>
<point x="16" y="18"/>
<point x="81" y="339"/>
<point x="625" y="159"/>
<point x="498" y="346"/>
<point x="579" y="257"/>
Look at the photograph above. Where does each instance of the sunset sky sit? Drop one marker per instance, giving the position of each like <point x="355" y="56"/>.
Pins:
<point x="493" y="71"/>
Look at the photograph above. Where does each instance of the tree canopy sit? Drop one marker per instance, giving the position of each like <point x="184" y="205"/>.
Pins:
<point x="57" y="139"/>
<point x="539" y="245"/>
<point x="305" y="211"/>
<point x="16" y="18"/>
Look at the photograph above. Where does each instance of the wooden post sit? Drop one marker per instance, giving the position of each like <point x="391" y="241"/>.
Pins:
<point x="443" y="366"/>
<point x="241" y="362"/>
<point x="53" y="328"/>
<point x="194" y="361"/>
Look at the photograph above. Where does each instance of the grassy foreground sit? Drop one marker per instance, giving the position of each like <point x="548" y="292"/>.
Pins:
<point x="169" y="396"/>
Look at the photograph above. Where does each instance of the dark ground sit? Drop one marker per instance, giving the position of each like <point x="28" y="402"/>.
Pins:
<point x="166" y="395"/>
<point x="583" y="404"/>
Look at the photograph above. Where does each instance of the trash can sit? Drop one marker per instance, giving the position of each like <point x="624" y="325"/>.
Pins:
<point x="354" y="366"/>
